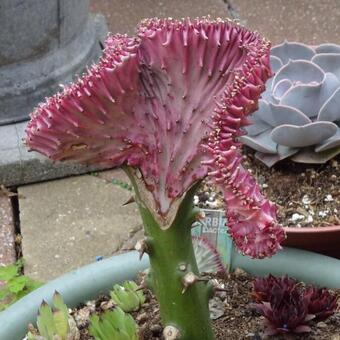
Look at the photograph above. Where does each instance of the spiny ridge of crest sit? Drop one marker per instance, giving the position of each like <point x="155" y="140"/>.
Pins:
<point x="251" y="217"/>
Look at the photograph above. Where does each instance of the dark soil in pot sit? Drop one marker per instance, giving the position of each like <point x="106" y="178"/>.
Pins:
<point x="307" y="195"/>
<point x="238" y="321"/>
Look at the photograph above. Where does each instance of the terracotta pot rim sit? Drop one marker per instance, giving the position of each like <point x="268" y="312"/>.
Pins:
<point x="313" y="230"/>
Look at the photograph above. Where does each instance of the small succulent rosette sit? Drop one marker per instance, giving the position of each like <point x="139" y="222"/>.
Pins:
<point x="299" y="113"/>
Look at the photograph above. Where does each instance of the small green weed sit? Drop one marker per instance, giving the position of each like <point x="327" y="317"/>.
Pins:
<point x="14" y="285"/>
<point x="122" y="184"/>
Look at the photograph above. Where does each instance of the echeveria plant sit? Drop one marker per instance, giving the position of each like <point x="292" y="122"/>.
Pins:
<point x="167" y="105"/>
<point x="299" y="115"/>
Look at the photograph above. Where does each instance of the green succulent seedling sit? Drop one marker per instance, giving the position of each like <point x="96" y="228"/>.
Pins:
<point x="54" y="323"/>
<point x="127" y="296"/>
<point x="113" y="325"/>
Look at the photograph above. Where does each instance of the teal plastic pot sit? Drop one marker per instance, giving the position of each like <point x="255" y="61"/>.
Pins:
<point x="78" y="286"/>
<point x="88" y="282"/>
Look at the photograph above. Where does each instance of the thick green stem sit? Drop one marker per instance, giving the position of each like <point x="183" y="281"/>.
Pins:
<point x="183" y="299"/>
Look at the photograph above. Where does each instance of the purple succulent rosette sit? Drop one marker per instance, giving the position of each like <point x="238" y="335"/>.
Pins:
<point x="299" y="113"/>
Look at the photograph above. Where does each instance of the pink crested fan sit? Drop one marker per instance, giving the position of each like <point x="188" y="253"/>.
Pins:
<point x="170" y="102"/>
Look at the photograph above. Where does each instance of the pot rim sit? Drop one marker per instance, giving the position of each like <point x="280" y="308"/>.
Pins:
<point x="313" y="230"/>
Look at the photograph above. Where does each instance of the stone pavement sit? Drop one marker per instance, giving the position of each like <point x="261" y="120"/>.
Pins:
<point x="18" y="166"/>
<point x="68" y="223"/>
<point x="308" y="21"/>
<point x="123" y="15"/>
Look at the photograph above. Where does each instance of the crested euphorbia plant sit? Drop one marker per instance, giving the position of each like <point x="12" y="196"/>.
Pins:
<point x="167" y="105"/>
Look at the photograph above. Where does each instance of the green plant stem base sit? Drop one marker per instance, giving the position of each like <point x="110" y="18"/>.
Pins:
<point x="172" y="258"/>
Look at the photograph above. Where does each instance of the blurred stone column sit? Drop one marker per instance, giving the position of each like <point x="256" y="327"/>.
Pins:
<point x="42" y="43"/>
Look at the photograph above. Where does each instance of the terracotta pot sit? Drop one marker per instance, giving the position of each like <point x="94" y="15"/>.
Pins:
<point x="322" y="240"/>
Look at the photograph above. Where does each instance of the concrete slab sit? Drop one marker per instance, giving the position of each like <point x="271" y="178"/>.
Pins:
<point x="309" y="21"/>
<point x="123" y="15"/>
<point x="8" y="137"/>
<point x="113" y="176"/>
<point x="18" y="166"/>
<point x="67" y="223"/>
<point x="7" y="231"/>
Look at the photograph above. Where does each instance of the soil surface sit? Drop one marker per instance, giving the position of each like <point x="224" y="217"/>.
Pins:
<point x="233" y="308"/>
<point x="307" y="195"/>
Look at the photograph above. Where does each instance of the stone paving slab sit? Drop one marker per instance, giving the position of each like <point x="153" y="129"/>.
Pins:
<point x="308" y="21"/>
<point x="67" y="223"/>
<point x="7" y="231"/>
<point x="123" y="15"/>
<point x="18" y="166"/>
